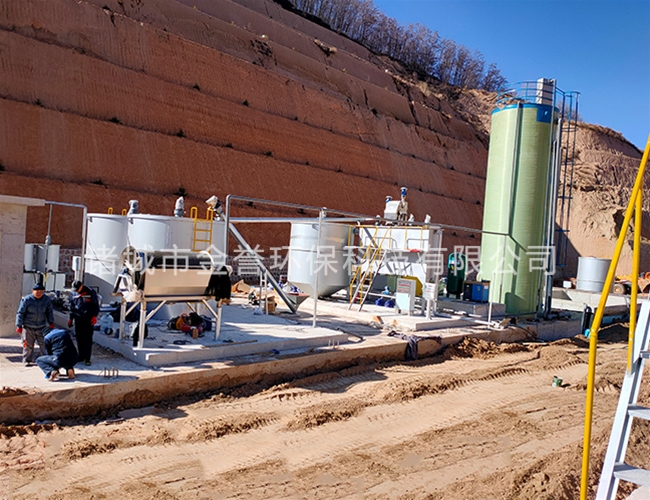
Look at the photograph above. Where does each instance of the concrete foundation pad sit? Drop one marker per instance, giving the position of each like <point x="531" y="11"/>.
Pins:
<point x="569" y="299"/>
<point x="242" y="333"/>
<point x="161" y="350"/>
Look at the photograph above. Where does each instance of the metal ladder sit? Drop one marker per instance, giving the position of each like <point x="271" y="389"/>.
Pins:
<point x="362" y="281"/>
<point x="367" y="278"/>
<point x="614" y="466"/>
<point x="202" y="234"/>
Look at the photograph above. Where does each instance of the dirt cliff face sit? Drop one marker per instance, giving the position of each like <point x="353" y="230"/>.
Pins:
<point x="110" y="101"/>
<point x="103" y="101"/>
<point x="605" y="170"/>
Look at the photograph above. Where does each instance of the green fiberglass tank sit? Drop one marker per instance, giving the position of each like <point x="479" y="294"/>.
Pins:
<point x="516" y="202"/>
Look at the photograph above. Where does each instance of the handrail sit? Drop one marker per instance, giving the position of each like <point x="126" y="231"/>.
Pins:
<point x="598" y="317"/>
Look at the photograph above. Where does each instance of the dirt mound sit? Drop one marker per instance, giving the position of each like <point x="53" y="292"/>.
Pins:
<point x="214" y="429"/>
<point x="7" y="431"/>
<point x="472" y="347"/>
<point x="83" y="448"/>
<point x="318" y="415"/>
<point x="6" y="392"/>
<point x="554" y="478"/>
<point x="555" y="357"/>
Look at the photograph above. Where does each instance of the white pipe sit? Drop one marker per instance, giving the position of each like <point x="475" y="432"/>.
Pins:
<point x="321" y="214"/>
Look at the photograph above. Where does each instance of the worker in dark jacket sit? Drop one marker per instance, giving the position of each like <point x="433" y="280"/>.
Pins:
<point x="83" y="313"/>
<point x="34" y="316"/>
<point x="61" y="353"/>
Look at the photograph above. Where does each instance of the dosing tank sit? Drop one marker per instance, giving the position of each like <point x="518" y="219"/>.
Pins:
<point x="304" y="261"/>
<point x="516" y="194"/>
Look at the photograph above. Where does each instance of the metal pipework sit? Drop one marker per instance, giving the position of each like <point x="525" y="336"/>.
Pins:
<point x="281" y="204"/>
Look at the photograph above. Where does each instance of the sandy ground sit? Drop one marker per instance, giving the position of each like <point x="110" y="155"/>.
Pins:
<point x="478" y="421"/>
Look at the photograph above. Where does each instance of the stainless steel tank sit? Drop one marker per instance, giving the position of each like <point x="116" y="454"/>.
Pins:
<point x="592" y="273"/>
<point x="106" y="237"/>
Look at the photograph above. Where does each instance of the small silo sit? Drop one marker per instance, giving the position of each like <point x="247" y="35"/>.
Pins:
<point x="517" y="192"/>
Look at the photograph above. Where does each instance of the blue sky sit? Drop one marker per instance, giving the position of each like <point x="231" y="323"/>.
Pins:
<point x="600" y="48"/>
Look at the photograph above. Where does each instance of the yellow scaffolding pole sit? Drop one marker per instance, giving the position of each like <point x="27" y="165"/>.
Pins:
<point x="595" y="326"/>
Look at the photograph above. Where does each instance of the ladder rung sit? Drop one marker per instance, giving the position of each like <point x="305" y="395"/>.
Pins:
<point x="645" y="354"/>
<point x="632" y="474"/>
<point x="639" y="412"/>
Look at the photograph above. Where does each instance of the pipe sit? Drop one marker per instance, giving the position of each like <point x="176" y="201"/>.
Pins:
<point x="550" y="221"/>
<point x="280" y="220"/>
<point x="83" y="230"/>
<point x="279" y="204"/>
<point x="321" y="214"/>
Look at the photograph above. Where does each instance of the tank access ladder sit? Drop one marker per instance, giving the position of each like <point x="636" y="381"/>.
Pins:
<point x="614" y="466"/>
<point x="202" y="231"/>
<point x="260" y="265"/>
<point x="362" y="280"/>
<point x="367" y="278"/>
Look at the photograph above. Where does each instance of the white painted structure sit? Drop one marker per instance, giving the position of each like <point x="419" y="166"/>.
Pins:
<point x="408" y="250"/>
<point x="13" y="223"/>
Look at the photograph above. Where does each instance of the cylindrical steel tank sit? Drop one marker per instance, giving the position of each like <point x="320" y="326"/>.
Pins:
<point x="160" y="232"/>
<point x="592" y="273"/>
<point x="47" y="258"/>
<point x="156" y="232"/>
<point x="28" y="263"/>
<point x="305" y="263"/>
<point x="106" y="238"/>
<point x="516" y="194"/>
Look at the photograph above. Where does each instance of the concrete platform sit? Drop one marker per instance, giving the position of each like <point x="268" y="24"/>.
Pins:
<point x="242" y="333"/>
<point x="569" y="299"/>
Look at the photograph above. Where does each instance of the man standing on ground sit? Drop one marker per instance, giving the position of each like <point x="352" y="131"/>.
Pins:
<point x="84" y="308"/>
<point x="34" y="315"/>
<point x="61" y="353"/>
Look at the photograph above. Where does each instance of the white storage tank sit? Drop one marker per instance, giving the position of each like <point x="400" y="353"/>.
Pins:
<point x="106" y="237"/>
<point x="47" y="258"/>
<point x="158" y="232"/>
<point x="333" y="274"/>
<point x="28" y="263"/>
<point x="592" y="273"/>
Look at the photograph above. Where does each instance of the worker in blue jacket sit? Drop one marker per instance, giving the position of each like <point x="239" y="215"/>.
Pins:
<point x="84" y="309"/>
<point x="34" y="316"/>
<point x="61" y="353"/>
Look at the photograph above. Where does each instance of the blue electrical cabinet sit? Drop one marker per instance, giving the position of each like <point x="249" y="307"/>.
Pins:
<point x="477" y="291"/>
